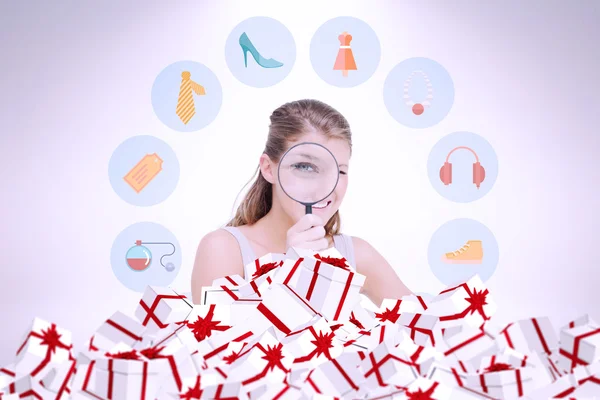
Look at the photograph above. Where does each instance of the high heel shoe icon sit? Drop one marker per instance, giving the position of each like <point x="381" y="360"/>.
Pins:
<point x="247" y="46"/>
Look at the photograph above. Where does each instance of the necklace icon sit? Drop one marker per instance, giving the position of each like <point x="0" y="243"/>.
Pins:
<point x="418" y="108"/>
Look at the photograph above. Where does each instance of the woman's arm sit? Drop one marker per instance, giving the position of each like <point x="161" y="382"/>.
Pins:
<point x="218" y="255"/>
<point x="382" y="281"/>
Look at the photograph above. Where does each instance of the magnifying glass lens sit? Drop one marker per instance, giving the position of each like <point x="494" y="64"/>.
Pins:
<point x="308" y="173"/>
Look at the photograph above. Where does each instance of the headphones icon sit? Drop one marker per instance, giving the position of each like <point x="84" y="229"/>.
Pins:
<point x="478" y="170"/>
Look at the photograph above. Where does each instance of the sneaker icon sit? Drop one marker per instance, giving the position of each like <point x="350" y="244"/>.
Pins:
<point x="470" y="253"/>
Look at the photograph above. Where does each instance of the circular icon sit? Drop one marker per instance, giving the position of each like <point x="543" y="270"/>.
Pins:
<point x="143" y="170"/>
<point x="145" y="254"/>
<point x="308" y="173"/>
<point x="345" y="52"/>
<point x="186" y="96"/>
<point x="418" y="93"/>
<point x="462" y="167"/>
<point x="260" y="52"/>
<point x="462" y="248"/>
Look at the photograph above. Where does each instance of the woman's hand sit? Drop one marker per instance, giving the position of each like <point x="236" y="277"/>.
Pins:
<point x="308" y="233"/>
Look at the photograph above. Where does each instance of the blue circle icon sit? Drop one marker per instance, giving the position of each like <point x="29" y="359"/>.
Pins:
<point x="186" y="96"/>
<point x="462" y="167"/>
<point x="145" y="254"/>
<point x="418" y="93"/>
<point x="143" y="170"/>
<point x="345" y="52"/>
<point x="462" y="248"/>
<point x="260" y="52"/>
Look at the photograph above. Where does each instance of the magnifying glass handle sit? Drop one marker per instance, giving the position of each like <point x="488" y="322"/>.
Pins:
<point x="309" y="209"/>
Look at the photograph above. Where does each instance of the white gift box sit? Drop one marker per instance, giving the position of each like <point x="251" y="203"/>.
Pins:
<point x="44" y="346"/>
<point x="467" y="303"/>
<point x="220" y="295"/>
<point x="330" y="289"/>
<point x="266" y="361"/>
<point x="330" y="253"/>
<point x="446" y="375"/>
<point x="240" y="310"/>
<point x="289" y="272"/>
<point x="123" y="373"/>
<point x="369" y="340"/>
<point x="229" y="280"/>
<point x="424" y="388"/>
<point x="362" y="318"/>
<point x="391" y="309"/>
<point x="313" y="344"/>
<point x="174" y="348"/>
<point x="285" y="309"/>
<point x="161" y="306"/>
<point x="387" y="365"/>
<point x="7" y="375"/>
<point x="59" y="379"/>
<point x="423" y="328"/>
<point x="529" y="335"/>
<point x="212" y="350"/>
<point x="263" y="266"/>
<point x="7" y="396"/>
<point x="29" y="388"/>
<point x="584" y="319"/>
<point x="579" y="346"/>
<point x="389" y="392"/>
<point x="204" y="321"/>
<point x="119" y="328"/>
<point x="198" y="388"/>
<point x="279" y="391"/>
<point x="339" y="377"/>
<point x="254" y="288"/>
<point x="422" y="357"/>
<point x="465" y="349"/>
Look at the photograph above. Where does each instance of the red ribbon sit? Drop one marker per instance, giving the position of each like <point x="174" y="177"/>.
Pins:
<point x="414" y="329"/>
<point x="575" y="360"/>
<point x="155" y="353"/>
<point x="273" y="355"/>
<point x="420" y="394"/>
<point x="150" y="310"/>
<point x="465" y="343"/>
<point x="322" y="342"/>
<point x="203" y="327"/>
<point x="49" y="338"/>
<point x="293" y="271"/>
<point x="476" y="301"/>
<point x="333" y="261"/>
<point x="265" y="268"/>
<point x="390" y="315"/>
<point x="376" y="365"/>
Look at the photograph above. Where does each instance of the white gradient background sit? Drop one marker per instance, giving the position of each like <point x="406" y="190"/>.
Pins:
<point x="76" y="79"/>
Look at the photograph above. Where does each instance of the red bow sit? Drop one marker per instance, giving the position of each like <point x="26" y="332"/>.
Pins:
<point x="336" y="262"/>
<point x="203" y="327"/>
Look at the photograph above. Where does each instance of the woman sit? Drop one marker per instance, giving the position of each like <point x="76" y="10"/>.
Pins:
<point x="268" y="221"/>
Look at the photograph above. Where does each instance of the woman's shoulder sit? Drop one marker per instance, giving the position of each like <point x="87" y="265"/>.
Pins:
<point x="218" y="240"/>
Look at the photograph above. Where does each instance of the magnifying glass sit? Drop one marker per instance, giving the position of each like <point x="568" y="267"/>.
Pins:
<point x="308" y="173"/>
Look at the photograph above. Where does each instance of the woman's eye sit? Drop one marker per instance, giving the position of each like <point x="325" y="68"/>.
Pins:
<point x="305" y="167"/>
<point x="343" y="173"/>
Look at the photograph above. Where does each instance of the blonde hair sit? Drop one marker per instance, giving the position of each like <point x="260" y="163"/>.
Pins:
<point x="287" y="123"/>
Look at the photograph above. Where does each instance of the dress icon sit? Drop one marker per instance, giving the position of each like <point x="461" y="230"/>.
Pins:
<point x="345" y="59"/>
<point x="247" y="46"/>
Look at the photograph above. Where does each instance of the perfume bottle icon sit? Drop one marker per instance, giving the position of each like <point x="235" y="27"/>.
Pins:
<point x="139" y="257"/>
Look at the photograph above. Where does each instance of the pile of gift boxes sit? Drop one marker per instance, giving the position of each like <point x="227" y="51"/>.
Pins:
<point x="296" y="329"/>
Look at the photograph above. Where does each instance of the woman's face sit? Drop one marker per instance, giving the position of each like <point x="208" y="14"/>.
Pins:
<point x="301" y="178"/>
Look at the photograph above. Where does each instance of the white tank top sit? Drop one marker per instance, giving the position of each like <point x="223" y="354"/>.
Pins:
<point x="343" y="244"/>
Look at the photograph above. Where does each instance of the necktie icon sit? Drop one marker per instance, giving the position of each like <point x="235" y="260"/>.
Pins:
<point x="185" y="103"/>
